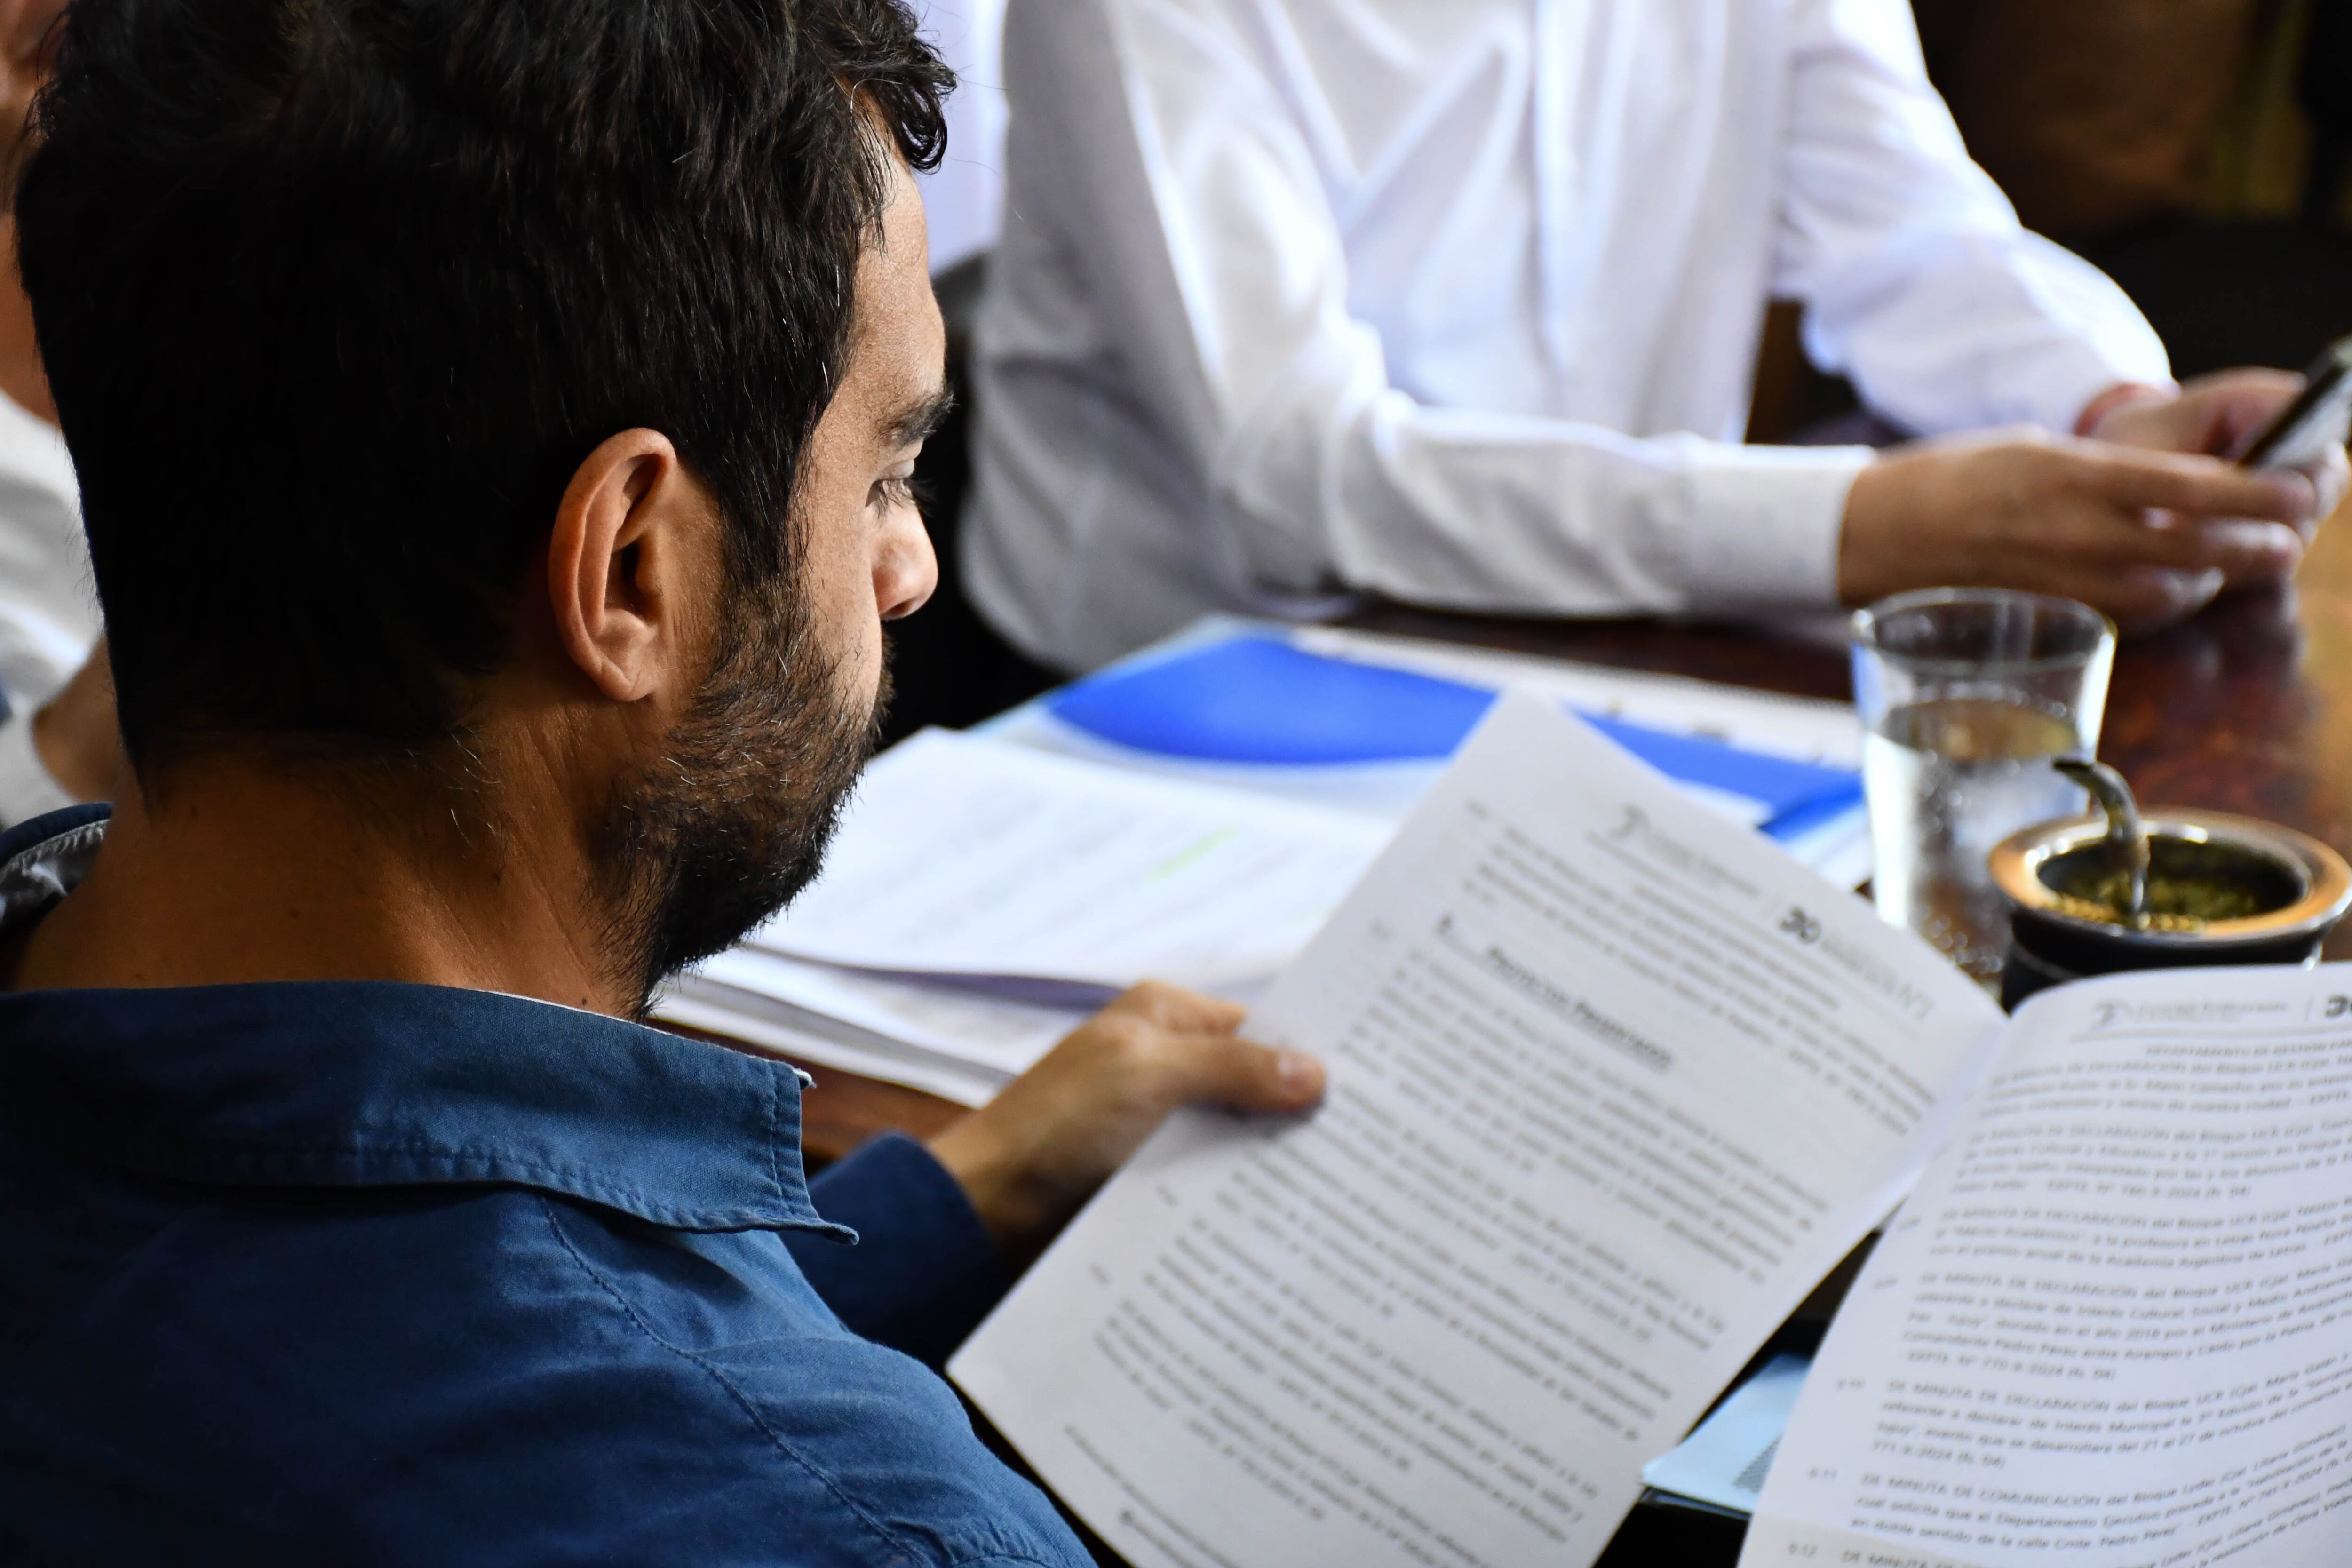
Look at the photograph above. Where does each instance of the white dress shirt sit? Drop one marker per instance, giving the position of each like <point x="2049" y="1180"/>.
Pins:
<point x="48" y="607"/>
<point x="1458" y="301"/>
<point x="963" y="198"/>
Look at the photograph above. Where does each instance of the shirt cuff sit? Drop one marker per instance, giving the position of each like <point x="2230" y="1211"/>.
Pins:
<point x="1763" y="523"/>
<point x="27" y="790"/>
<point x="924" y="1270"/>
<point x="2059" y="397"/>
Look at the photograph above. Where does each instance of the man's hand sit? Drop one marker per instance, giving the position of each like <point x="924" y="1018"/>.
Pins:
<point x="2147" y="536"/>
<point x="2220" y="415"/>
<point x="1038" y="1151"/>
<point x="75" y="733"/>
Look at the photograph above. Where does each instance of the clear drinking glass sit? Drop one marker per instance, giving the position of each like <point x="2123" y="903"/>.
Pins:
<point x="1965" y="695"/>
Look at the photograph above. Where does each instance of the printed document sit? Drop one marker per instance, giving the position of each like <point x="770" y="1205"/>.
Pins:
<point x="958" y="1042"/>
<point x="2114" y="1327"/>
<point x="1613" y="1083"/>
<point x="964" y="856"/>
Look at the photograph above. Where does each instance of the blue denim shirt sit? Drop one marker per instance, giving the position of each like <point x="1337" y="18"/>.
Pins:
<point x="379" y="1273"/>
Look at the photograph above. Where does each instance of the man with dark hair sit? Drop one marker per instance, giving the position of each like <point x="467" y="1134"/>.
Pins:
<point x="494" y="420"/>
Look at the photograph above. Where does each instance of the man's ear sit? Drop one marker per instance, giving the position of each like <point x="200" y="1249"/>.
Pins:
<point x="618" y="564"/>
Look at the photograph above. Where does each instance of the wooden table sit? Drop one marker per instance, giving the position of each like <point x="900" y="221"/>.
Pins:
<point x="2248" y="708"/>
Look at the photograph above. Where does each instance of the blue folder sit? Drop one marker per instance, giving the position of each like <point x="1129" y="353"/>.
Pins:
<point x="1261" y="699"/>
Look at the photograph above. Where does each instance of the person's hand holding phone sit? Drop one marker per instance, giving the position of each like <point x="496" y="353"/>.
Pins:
<point x="2236" y="414"/>
<point x="2127" y="530"/>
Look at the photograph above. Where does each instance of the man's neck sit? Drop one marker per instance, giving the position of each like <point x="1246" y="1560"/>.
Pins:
<point x="252" y="872"/>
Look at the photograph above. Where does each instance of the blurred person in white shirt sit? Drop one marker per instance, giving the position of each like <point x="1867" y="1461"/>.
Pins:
<point x="1458" y="301"/>
<point x="57" y="741"/>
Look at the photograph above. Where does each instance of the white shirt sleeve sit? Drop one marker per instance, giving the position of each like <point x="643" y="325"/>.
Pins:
<point x="48" y="614"/>
<point x="1920" y="282"/>
<point x="1212" y="245"/>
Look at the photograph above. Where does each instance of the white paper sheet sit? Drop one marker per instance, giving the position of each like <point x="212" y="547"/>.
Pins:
<point x="960" y="1045"/>
<point x="2114" y="1327"/>
<point x="960" y="855"/>
<point x="1002" y="1034"/>
<point x="1613" y="1084"/>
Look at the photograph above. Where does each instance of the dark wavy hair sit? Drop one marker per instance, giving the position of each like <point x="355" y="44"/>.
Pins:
<point x="335" y="295"/>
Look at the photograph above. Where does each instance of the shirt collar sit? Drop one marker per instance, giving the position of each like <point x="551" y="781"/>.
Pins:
<point x="358" y="1084"/>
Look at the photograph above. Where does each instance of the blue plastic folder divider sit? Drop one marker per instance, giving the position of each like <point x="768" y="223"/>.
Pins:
<point x="1260" y="699"/>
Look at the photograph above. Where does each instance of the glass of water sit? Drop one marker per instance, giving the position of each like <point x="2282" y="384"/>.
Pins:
<point x="1966" y="694"/>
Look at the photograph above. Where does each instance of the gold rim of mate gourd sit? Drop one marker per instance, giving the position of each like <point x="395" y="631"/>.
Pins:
<point x="2284" y="880"/>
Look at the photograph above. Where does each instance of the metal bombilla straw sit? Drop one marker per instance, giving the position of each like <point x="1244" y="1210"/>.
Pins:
<point x="2127" y="840"/>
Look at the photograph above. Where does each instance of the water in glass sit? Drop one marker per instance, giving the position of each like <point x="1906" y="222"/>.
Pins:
<point x="1949" y="778"/>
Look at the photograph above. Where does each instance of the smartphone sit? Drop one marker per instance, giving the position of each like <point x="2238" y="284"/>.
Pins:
<point x="2315" y="421"/>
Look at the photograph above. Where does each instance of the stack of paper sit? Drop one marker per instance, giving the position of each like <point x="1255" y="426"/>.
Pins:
<point x="981" y="898"/>
<point x="958" y="1043"/>
<point x="969" y="857"/>
<point x="1194" y="814"/>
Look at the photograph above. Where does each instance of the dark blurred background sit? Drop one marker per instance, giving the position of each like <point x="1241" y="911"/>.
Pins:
<point x="2199" y="151"/>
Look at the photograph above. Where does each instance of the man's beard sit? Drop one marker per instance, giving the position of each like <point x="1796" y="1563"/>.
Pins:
<point x="734" y="820"/>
